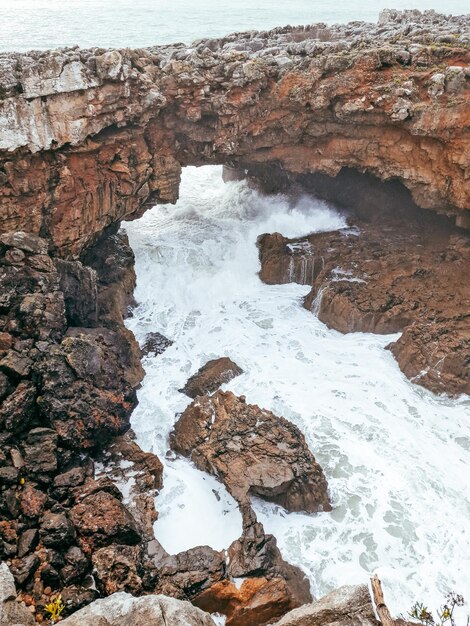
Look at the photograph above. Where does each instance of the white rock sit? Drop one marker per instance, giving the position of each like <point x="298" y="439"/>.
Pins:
<point x="155" y="610"/>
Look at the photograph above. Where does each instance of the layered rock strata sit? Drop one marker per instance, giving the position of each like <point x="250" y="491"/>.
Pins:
<point x="385" y="276"/>
<point x="91" y="137"/>
<point x="252" y="451"/>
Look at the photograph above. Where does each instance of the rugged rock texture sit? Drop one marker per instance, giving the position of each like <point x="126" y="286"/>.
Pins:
<point x="395" y="268"/>
<point x="91" y="137"/>
<point x="252" y="452"/>
<point x="347" y="606"/>
<point x="211" y="376"/>
<point x="12" y="612"/>
<point x="122" y="608"/>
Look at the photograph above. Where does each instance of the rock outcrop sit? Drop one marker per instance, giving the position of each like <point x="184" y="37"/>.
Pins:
<point x="122" y="608"/>
<point x="388" y="274"/>
<point x="211" y="376"/>
<point x="251" y="451"/>
<point x="91" y="137"/>
<point x="347" y="606"/>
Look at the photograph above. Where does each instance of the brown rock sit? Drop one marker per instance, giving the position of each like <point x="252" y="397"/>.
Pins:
<point x="118" y="568"/>
<point x="211" y="376"/>
<point x="387" y="273"/>
<point x="258" y="601"/>
<point x="252" y="452"/>
<point x="100" y="519"/>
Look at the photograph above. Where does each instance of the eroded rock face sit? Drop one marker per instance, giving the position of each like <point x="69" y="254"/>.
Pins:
<point x="252" y="452"/>
<point x="347" y="606"/>
<point x="106" y="132"/>
<point x="409" y="279"/>
<point x="211" y="376"/>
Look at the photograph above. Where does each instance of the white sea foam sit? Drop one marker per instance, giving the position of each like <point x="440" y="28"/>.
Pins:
<point x="396" y="456"/>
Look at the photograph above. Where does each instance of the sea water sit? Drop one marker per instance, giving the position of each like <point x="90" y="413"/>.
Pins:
<point x="43" y="24"/>
<point x="396" y="456"/>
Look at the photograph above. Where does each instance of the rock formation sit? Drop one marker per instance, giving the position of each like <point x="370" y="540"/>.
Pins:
<point x="91" y="137"/>
<point x="347" y="606"/>
<point x="410" y="280"/>
<point x="251" y="451"/>
<point x="211" y="376"/>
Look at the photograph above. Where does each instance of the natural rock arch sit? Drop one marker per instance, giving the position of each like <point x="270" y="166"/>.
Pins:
<point x="91" y="137"/>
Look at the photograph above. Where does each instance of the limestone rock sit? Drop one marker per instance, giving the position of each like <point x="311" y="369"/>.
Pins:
<point x="252" y="452"/>
<point x="346" y="606"/>
<point x="11" y="611"/>
<point x="123" y="608"/>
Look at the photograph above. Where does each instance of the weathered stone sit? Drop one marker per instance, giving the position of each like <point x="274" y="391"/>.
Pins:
<point x="27" y="542"/>
<point x="23" y="569"/>
<point x="11" y="611"/>
<point x="347" y="606"/>
<point x="252" y="452"/>
<point x="18" y="410"/>
<point x="76" y="564"/>
<point x="72" y="478"/>
<point x="122" y="608"/>
<point x="118" y="568"/>
<point x="100" y="519"/>
<point x="211" y="376"/>
<point x="24" y="241"/>
<point x="155" y="343"/>
<point x="40" y="451"/>
<point x="57" y="530"/>
<point x="78" y="284"/>
<point x="412" y="281"/>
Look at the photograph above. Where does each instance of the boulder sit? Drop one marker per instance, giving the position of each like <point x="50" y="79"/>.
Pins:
<point x="155" y="343"/>
<point x="347" y="606"/>
<point x="11" y="611"/>
<point x="101" y="519"/>
<point x="211" y="376"/>
<point x="252" y="451"/>
<point x="122" y="608"/>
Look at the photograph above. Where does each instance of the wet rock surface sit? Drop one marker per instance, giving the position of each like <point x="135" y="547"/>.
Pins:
<point x="384" y="275"/>
<point x="252" y="452"/>
<point x="211" y="376"/>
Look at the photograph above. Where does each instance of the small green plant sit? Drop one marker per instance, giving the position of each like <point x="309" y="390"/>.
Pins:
<point x="445" y="615"/>
<point x="54" y="609"/>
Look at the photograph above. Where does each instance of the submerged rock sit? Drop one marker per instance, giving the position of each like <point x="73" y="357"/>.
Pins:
<point x="211" y="376"/>
<point x="252" y="452"/>
<point x="156" y="610"/>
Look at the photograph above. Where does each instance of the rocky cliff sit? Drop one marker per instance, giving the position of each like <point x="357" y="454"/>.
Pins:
<point x="91" y="137"/>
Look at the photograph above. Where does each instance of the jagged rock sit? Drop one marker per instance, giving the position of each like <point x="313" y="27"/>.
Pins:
<point x="27" y="542"/>
<point x="23" y="569"/>
<point x="252" y="452"/>
<point x="17" y="412"/>
<point x="73" y="478"/>
<point x="139" y="474"/>
<point x="211" y="376"/>
<point x="78" y="284"/>
<point x="122" y="608"/>
<point x="411" y="282"/>
<point x="76" y="565"/>
<point x="187" y="574"/>
<point x="256" y="602"/>
<point x="57" y="530"/>
<point x="155" y="343"/>
<point x="24" y="241"/>
<point x="88" y="385"/>
<point x="346" y="606"/>
<point x="40" y="451"/>
<point x="100" y="519"/>
<point x="315" y="99"/>
<point x="118" y="568"/>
